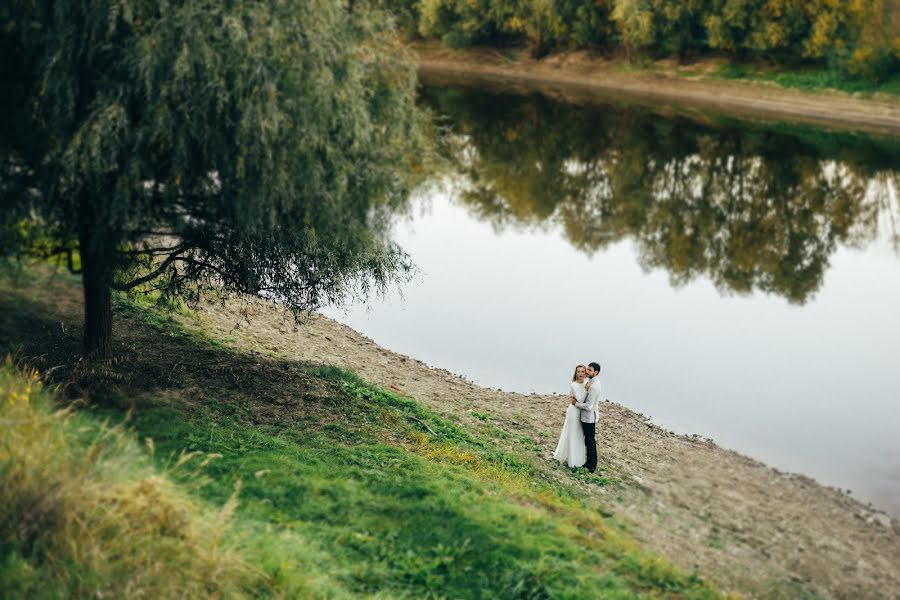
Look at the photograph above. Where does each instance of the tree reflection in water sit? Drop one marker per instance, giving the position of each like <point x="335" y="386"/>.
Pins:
<point x="750" y="207"/>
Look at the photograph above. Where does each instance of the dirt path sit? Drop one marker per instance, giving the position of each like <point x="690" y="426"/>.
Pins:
<point x="577" y="76"/>
<point x="751" y="528"/>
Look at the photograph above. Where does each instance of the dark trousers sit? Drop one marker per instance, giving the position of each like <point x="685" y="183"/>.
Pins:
<point x="590" y="443"/>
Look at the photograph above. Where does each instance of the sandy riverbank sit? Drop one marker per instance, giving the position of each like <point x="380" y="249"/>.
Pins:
<point x="751" y="528"/>
<point x="581" y="77"/>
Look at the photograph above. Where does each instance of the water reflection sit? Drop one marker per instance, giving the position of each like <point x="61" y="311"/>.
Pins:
<point x="749" y="208"/>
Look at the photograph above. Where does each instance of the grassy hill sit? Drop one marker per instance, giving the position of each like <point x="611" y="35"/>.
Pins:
<point x="185" y="468"/>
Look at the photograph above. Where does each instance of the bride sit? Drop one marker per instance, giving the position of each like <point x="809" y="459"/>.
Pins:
<point x="571" y="449"/>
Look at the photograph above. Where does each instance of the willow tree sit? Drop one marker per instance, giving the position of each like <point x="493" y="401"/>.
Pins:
<point x="254" y="146"/>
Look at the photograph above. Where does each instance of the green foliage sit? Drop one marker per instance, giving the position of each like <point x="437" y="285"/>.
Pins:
<point x="250" y="146"/>
<point x="876" y="63"/>
<point x="852" y="38"/>
<point x="743" y="27"/>
<point x="635" y="21"/>
<point x="679" y="26"/>
<point x="663" y="27"/>
<point x="542" y="25"/>
<point x="586" y="24"/>
<point x="406" y="16"/>
<point x="460" y="23"/>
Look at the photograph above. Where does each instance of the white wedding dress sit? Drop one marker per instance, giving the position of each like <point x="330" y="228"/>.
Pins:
<point x="571" y="449"/>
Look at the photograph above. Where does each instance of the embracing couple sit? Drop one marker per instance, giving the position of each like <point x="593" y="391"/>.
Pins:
<point x="577" y="442"/>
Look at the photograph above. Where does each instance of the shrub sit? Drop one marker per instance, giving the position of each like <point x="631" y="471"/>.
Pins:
<point x="456" y="40"/>
<point x="875" y="63"/>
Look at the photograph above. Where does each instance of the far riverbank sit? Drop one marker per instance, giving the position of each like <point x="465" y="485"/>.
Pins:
<point x="581" y="77"/>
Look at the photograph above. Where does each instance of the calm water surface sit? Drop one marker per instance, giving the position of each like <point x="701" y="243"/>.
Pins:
<point x="736" y="281"/>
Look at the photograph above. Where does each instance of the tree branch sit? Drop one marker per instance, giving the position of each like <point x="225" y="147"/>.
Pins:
<point x="153" y="251"/>
<point x="149" y="276"/>
<point x="67" y="250"/>
<point x="201" y="264"/>
<point x="172" y="258"/>
<point x="70" y="263"/>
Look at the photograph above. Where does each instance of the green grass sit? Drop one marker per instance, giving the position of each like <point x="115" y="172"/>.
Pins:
<point x="638" y="64"/>
<point x="350" y="491"/>
<point x="408" y="503"/>
<point x="808" y="79"/>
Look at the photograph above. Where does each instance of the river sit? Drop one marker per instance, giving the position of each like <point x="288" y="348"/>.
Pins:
<point x="736" y="280"/>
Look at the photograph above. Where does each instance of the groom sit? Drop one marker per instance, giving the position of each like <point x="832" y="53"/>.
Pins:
<point x="589" y="416"/>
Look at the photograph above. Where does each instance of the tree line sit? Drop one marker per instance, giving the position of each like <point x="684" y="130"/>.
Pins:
<point x="856" y="38"/>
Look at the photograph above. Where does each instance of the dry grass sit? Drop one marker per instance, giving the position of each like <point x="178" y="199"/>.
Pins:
<point x="84" y="514"/>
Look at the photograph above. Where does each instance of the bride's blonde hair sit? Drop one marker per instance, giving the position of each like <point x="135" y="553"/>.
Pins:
<point x="575" y="374"/>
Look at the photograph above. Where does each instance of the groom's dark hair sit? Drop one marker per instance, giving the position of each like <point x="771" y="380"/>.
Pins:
<point x="595" y="367"/>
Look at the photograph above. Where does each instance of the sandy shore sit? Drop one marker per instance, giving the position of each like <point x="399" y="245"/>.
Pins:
<point x="578" y="76"/>
<point x="751" y="528"/>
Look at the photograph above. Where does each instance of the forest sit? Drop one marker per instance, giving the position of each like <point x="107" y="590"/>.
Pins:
<point x="853" y="39"/>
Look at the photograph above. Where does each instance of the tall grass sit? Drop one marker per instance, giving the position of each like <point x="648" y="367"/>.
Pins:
<point x="84" y="513"/>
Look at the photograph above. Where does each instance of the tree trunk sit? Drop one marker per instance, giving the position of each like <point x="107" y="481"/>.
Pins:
<point x="95" y="273"/>
<point x="97" y="313"/>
